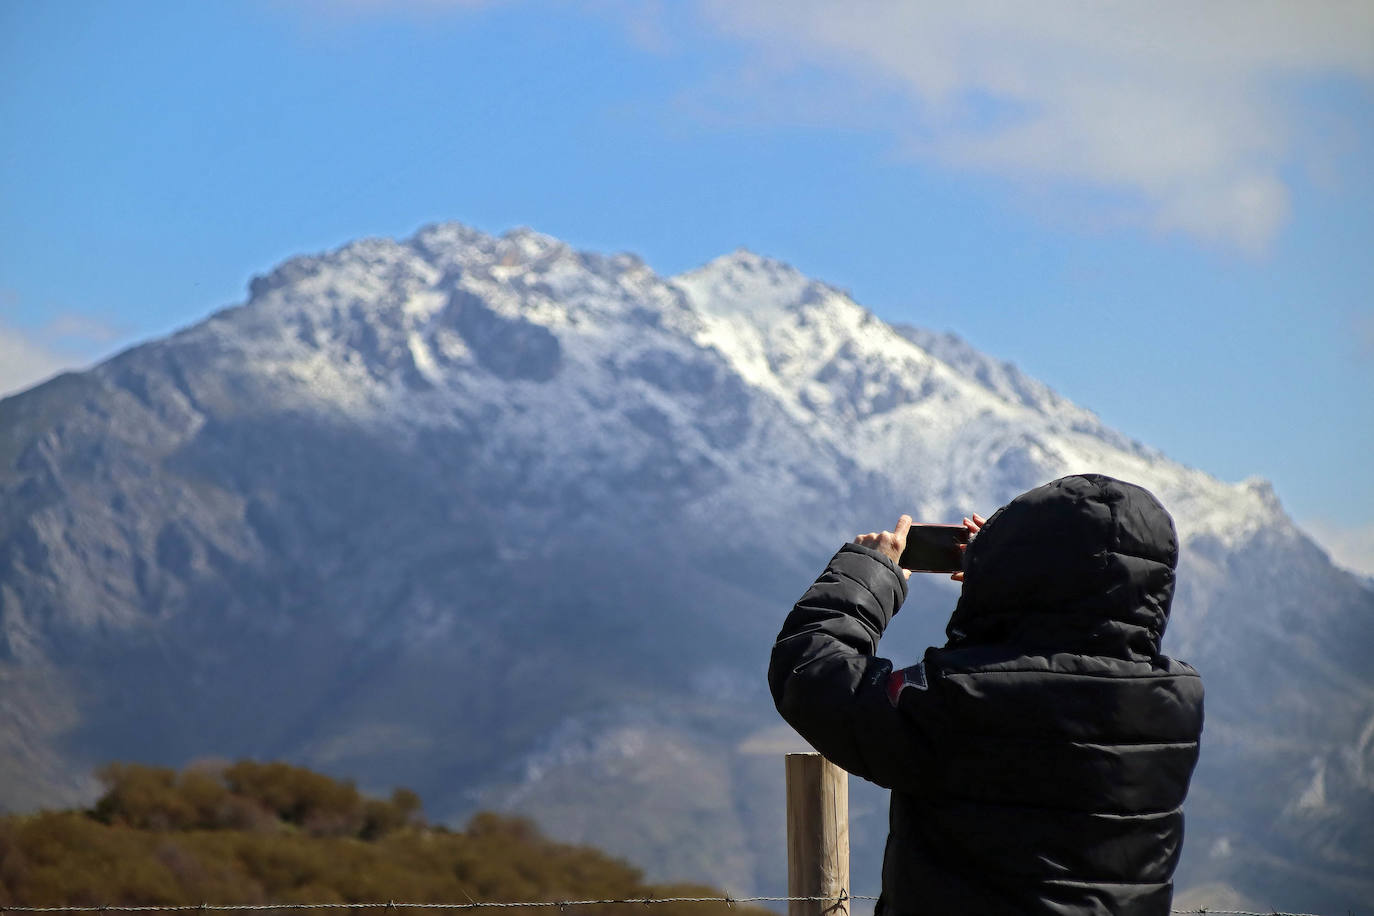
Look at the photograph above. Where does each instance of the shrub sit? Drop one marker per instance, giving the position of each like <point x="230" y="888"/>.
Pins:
<point x="270" y="832"/>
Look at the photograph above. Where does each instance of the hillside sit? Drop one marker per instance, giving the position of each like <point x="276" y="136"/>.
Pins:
<point x="253" y="833"/>
<point x="516" y="524"/>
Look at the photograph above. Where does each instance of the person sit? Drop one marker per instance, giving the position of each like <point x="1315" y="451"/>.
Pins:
<point x="1038" y="762"/>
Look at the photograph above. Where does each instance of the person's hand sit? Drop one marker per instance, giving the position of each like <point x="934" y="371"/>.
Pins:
<point x="889" y="543"/>
<point x="972" y="524"/>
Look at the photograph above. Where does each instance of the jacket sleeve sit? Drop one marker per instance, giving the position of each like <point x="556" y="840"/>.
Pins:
<point x="828" y="683"/>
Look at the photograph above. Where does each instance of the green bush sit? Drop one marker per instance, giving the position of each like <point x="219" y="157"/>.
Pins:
<point x="270" y="832"/>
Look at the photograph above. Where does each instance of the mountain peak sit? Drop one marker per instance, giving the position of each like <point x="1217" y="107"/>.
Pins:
<point x="332" y="498"/>
<point x="522" y="245"/>
<point x="744" y="262"/>
<point x="749" y="284"/>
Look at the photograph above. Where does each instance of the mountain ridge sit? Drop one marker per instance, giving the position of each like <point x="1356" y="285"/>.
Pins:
<point x="379" y="517"/>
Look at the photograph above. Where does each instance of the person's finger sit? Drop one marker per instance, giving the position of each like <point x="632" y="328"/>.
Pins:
<point x="957" y="577"/>
<point x="906" y="573"/>
<point x="903" y="526"/>
<point x="979" y="519"/>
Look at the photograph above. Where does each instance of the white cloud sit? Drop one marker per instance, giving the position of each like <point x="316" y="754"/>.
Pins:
<point x="1182" y="113"/>
<point x="68" y="340"/>
<point x="25" y="361"/>
<point x="1350" y="546"/>
<point x="1173" y="105"/>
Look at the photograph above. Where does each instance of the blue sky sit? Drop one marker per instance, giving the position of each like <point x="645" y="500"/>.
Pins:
<point x="1163" y="210"/>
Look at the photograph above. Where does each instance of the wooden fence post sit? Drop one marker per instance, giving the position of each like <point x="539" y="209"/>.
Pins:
<point x="817" y="836"/>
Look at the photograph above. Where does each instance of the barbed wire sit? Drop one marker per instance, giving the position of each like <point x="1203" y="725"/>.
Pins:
<point x="392" y="904"/>
<point x="1208" y="911"/>
<point x="506" y="904"/>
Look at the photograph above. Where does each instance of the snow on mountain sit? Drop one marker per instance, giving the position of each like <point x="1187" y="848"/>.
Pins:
<point x="458" y="463"/>
<point x="930" y="402"/>
<point x="918" y="400"/>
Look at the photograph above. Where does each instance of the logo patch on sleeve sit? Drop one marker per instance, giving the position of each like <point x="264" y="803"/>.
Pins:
<point x="897" y="681"/>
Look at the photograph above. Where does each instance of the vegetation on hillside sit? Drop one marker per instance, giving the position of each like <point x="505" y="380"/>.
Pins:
<point x="270" y="832"/>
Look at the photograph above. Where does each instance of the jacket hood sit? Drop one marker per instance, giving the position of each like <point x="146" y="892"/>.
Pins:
<point x="1082" y="564"/>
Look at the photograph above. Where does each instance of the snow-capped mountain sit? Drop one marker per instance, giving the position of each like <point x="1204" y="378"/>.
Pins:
<point x="514" y="525"/>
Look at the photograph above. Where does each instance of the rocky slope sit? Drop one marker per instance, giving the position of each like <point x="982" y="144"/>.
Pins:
<point x="514" y="524"/>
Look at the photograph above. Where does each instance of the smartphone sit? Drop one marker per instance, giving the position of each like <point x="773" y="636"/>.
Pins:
<point x="934" y="548"/>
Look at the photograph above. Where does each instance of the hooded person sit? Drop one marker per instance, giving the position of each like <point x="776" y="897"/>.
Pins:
<point x="1039" y="761"/>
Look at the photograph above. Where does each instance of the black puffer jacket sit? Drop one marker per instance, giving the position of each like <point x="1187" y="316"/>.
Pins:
<point x="1039" y="761"/>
